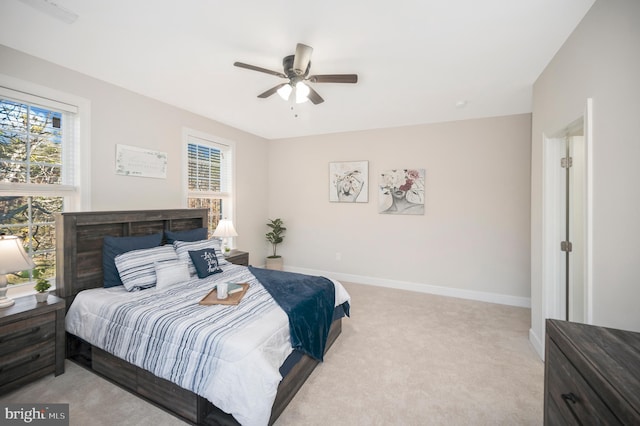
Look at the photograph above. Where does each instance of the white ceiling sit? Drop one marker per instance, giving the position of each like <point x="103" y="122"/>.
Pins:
<point x="415" y="58"/>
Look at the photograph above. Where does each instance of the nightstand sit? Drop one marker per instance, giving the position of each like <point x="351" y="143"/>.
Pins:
<point x="238" y="257"/>
<point x="32" y="341"/>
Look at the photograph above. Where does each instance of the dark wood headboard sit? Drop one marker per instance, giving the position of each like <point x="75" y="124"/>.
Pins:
<point x="79" y="241"/>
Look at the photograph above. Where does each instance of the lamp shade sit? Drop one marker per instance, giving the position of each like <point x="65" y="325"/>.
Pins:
<point x="13" y="258"/>
<point x="225" y="229"/>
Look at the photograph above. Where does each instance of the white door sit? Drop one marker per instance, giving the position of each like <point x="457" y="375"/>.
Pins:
<point x="565" y="224"/>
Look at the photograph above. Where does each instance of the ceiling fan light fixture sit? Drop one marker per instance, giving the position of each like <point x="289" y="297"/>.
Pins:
<point x="296" y="70"/>
<point x="285" y="91"/>
<point x="302" y="92"/>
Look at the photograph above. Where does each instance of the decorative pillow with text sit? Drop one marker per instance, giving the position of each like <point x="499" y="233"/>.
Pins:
<point x="184" y="247"/>
<point x="205" y="261"/>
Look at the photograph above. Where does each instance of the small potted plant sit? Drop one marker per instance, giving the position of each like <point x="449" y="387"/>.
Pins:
<point x="275" y="237"/>
<point x="42" y="285"/>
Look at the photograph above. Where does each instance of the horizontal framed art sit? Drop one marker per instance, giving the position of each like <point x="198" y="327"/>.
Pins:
<point x="142" y="162"/>
<point x="349" y="181"/>
<point x="401" y="191"/>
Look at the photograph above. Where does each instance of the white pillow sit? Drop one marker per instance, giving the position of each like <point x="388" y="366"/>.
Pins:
<point x="136" y="268"/>
<point x="170" y="273"/>
<point x="184" y="247"/>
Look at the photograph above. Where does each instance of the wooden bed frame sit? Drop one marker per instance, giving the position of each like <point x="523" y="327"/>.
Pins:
<point x="79" y="239"/>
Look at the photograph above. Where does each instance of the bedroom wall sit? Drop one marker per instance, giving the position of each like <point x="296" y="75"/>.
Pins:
<point x="119" y="116"/>
<point x="473" y="240"/>
<point x="477" y="175"/>
<point x="600" y="60"/>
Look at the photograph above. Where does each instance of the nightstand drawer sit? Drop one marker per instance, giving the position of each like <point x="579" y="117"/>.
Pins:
<point x="20" y="334"/>
<point x="16" y="365"/>
<point x="32" y="341"/>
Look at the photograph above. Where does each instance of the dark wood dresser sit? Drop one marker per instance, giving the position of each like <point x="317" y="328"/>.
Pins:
<point x="592" y="375"/>
<point x="32" y="341"/>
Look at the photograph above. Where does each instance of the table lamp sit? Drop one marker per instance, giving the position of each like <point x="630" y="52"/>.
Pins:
<point x="225" y="230"/>
<point x="12" y="259"/>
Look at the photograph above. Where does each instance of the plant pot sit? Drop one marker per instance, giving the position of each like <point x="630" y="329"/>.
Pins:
<point x="274" y="263"/>
<point x="42" y="297"/>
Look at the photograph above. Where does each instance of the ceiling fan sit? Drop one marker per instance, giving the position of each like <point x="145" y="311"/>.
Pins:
<point x="296" y="69"/>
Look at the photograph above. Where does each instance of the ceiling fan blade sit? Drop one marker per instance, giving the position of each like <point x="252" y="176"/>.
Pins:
<point x="302" y="58"/>
<point x="271" y="91"/>
<point x="259" y="69"/>
<point x="314" y="96"/>
<point x="334" y="78"/>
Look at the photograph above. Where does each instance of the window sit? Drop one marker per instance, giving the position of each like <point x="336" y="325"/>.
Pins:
<point x="209" y="168"/>
<point x="38" y="177"/>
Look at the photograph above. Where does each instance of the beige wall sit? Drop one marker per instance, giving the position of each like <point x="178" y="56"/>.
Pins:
<point x="472" y="241"/>
<point x="600" y="60"/>
<point x="119" y="116"/>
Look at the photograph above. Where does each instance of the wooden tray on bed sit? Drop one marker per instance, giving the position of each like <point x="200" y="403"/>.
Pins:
<point x="233" y="299"/>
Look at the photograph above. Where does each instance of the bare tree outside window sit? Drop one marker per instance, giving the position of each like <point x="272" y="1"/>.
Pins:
<point x="31" y="153"/>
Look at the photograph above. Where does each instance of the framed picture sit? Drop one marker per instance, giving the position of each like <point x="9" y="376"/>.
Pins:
<point x="349" y="182"/>
<point x="142" y="162"/>
<point x="401" y="191"/>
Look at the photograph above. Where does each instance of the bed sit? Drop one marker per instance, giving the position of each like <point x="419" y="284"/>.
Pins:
<point x="238" y="347"/>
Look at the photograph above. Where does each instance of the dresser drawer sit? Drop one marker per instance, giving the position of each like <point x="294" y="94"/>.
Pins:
<point x="571" y="396"/>
<point x="28" y="360"/>
<point x="17" y="335"/>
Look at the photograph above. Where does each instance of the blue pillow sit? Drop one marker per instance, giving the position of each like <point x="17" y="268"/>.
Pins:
<point x="190" y="235"/>
<point x="113" y="246"/>
<point x="205" y="261"/>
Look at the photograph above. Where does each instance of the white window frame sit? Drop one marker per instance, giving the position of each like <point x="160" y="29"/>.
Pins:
<point x="228" y="198"/>
<point x="33" y="93"/>
<point x="77" y="196"/>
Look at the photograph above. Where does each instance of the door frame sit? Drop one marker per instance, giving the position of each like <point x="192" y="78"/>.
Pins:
<point x="553" y="284"/>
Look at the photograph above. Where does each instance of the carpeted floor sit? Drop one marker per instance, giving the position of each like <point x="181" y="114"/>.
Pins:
<point x="403" y="358"/>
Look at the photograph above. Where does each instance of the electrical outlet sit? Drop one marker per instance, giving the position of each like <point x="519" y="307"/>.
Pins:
<point x="338" y="256"/>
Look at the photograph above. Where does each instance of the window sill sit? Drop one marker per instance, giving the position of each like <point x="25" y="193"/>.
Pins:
<point x="22" y="290"/>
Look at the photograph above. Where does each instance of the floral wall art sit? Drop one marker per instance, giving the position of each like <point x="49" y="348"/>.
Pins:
<point x="401" y="191"/>
<point x="348" y="181"/>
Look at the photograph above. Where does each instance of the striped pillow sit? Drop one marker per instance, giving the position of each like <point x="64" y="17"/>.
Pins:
<point x="184" y="247"/>
<point x="136" y="268"/>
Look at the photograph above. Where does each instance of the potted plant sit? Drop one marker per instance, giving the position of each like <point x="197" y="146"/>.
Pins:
<point x="42" y="285"/>
<point x="275" y="237"/>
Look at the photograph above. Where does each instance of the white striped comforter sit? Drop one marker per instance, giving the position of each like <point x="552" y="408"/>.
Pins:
<point x="228" y="354"/>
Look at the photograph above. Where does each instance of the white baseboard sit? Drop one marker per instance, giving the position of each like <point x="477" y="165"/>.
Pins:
<point x="502" y="299"/>
<point x="536" y="342"/>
